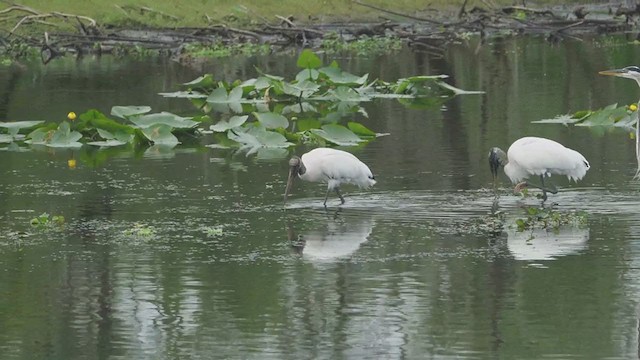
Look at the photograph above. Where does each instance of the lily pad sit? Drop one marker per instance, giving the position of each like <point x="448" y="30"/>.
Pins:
<point x="124" y="112"/>
<point x="107" y="143"/>
<point x="184" y="95"/>
<point x="303" y="89"/>
<point x="272" y="120"/>
<point x="6" y="138"/>
<point x="14" y="127"/>
<point x="337" y="76"/>
<point x="160" y="134"/>
<point x="205" y="81"/>
<point x="562" y="119"/>
<point x="338" y="135"/>
<point x="233" y="122"/>
<point x="257" y="137"/>
<point x="222" y="101"/>
<point x="64" y="137"/>
<point x="308" y="124"/>
<point x="360" y="129"/>
<point x="165" y="118"/>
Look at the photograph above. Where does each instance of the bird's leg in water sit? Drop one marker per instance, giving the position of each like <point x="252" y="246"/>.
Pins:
<point x="340" y="196"/>
<point x="326" y="196"/>
<point x="542" y="187"/>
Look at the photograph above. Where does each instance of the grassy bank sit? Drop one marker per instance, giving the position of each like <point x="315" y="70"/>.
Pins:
<point x="245" y="13"/>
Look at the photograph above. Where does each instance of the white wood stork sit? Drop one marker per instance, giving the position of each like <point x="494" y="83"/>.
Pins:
<point x="530" y="156"/>
<point x="331" y="166"/>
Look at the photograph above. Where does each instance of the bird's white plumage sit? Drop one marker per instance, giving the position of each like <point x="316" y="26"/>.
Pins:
<point x="335" y="167"/>
<point x="539" y="156"/>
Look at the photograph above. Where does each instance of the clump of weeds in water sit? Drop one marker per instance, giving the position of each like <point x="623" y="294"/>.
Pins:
<point x="365" y="45"/>
<point x="549" y="218"/>
<point x="492" y="224"/>
<point x="46" y="221"/>
<point x="16" y="50"/>
<point x="212" y="231"/>
<point x="140" y="231"/>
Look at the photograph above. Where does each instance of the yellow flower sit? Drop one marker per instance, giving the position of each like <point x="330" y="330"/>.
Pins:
<point x="71" y="163"/>
<point x="633" y="107"/>
<point x="71" y="116"/>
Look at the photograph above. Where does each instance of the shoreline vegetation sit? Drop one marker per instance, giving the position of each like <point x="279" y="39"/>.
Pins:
<point x="56" y="28"/>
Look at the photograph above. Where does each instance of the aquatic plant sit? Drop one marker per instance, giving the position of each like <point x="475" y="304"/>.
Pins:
<point x="47" y="221"/>
<point x="624" y="117"/>
<point x="549" y="218"/>
<point x="322" y="105"/>
<point x="139" y="230"/>
<point x="363" y="46"/>
<point x="269" y="111"/>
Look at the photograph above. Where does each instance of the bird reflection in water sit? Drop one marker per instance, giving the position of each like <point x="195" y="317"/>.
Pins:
<point x="338" y="238"/>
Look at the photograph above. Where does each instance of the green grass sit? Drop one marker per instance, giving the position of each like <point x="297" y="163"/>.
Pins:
<point x="169" y="13"/>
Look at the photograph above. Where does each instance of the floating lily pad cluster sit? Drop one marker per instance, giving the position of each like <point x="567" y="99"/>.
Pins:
<point x="320" y="105"/>
<point x="265" y="115"/>
<point x="95" y="128"/>
<point x="610" y="116"/>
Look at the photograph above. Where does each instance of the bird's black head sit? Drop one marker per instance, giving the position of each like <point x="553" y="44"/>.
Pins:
<point x="296" y="167"/>
<point x="497" y="158"/>
<point x="295" y="163"/>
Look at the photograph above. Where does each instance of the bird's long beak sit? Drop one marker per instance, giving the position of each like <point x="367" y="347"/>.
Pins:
<point x="292" y="175"/>
<point x="614" y="72"/>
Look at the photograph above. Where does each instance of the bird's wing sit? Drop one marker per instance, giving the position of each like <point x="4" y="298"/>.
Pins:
<point x="539" y="156"/>
<point x="333" y="164"/>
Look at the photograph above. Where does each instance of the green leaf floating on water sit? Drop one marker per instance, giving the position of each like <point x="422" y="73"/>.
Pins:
<point x="222" y="101"/>
<point x="609" y="116"/>
<point x="272" y="120"/>
<point x="605" y="117"/>
<point x="184" y="94"/>
<point x="257" y="136"/>
<point x="338" y="135"/>
<point x="160" y="134"/>
<point x="117" y="139"/>
<point x="233" y="122"/>
<point x="337" y="76"/>
<point x="64" y="137"/>
<point x="14" y="127"/>
<point x="165" y="118"/>
<point x="124" y="112"/>
<point x="360" y="129"/>
<point x="562" y="119"/>
<point x="303" y="89"/>
<point x="307" y="74"/>
<point x="203" y="82"/>
<point x="308" y="124"/>
<point x="6" y="138"/>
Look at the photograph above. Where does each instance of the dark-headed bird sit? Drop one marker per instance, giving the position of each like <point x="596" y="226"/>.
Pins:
<point x="534" y="156"/>
<point x="331" y="166"/>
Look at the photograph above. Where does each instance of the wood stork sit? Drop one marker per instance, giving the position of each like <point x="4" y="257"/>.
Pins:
<point x="537" y="156"/>
<point x="332" y="166"/>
